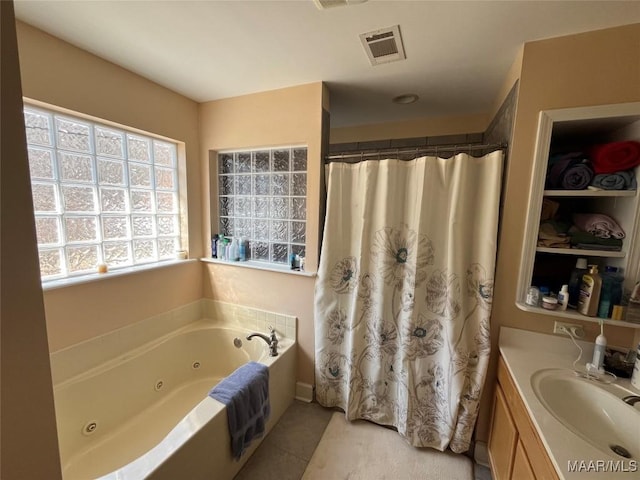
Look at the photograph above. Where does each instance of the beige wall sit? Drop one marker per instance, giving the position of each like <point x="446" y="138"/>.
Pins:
<point x="60" y="74"/>
<point x="601" y="67"/>
<point x="280" y="117"/>
<point x="28" y="439"/>
<point x="421" y="127"/>
<point x="588" y="69"/>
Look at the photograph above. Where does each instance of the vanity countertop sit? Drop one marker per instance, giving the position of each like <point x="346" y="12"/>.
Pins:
<point x="525" y="353"/>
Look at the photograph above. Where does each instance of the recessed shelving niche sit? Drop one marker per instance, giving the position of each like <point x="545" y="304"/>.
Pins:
<point x="571" y="130"/>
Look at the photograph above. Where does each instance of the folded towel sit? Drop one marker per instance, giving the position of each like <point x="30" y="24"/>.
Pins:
<point x="549" y="209"/>
<point x="579" y="237"/>
<point x="571" y="171"/>
<point x="615" y="156"/>
<point x="548" y="236"/>
<point x="246" y="395"/>
<point x="598" y="224"/>
<point x="593" y="246"/>
<point x="624" y="180"/>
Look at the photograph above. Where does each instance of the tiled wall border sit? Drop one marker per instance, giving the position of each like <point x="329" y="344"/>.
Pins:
<point x="76" y="359"/>
<point x="250" y="318"/>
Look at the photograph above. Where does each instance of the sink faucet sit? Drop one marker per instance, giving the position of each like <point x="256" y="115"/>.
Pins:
<point x="631" y="399"/>
<point x="271" y="340"/>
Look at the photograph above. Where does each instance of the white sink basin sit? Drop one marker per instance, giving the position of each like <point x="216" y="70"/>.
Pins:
<point x="591" y="410"/>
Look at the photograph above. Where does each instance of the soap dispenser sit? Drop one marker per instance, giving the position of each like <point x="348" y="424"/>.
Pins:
<point x="590" y="292"/>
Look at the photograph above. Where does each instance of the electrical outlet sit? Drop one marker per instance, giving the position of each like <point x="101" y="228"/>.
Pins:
<point x="562" y="328"/>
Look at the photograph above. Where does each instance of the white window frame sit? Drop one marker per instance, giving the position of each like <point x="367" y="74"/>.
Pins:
<point x="162" y="216"/>
<point x="294" y="222"/>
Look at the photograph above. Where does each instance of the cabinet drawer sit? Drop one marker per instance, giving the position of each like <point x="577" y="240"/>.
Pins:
<point x="538" y="458"/>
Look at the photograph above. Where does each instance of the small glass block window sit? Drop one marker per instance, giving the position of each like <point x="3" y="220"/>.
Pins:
<point x="101" y="194"/>
<point x="262" y="199"/>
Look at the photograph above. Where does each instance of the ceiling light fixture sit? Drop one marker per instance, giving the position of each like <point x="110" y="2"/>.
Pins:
<point x="405" y="99"/>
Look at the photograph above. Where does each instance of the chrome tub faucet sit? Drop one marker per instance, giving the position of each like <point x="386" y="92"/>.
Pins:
<point x="271" y="340"/>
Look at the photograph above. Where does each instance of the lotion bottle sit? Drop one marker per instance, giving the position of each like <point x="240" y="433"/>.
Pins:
<point x="590" y="292"/>
<point x="563" y="298"/>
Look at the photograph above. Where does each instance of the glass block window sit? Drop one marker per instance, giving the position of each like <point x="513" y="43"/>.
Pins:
<point x="100" y="194"/>
<point x="263" y="200"/>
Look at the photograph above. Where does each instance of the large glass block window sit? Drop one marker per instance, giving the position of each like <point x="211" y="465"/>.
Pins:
<point x="263" y="201"/>
<point x="100" y="194"/>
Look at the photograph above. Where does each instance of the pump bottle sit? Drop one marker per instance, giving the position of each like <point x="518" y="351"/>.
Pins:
<point x="563" y="298"/>
<point x="590" y="292"/>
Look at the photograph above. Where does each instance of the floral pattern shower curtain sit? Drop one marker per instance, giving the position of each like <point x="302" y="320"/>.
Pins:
<point x="404" y="292"/>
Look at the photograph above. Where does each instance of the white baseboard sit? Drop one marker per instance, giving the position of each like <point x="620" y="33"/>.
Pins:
<point x="481" y="454"/>
<point x="304" y="392"/>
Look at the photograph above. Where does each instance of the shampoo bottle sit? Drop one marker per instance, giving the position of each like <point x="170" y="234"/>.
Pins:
<point x="590" y="292"/>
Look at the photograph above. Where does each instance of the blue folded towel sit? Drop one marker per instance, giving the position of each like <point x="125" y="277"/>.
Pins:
<point x="571" y="171"/>
<point x="246" y="395"/>
<point x="624" y="180"/>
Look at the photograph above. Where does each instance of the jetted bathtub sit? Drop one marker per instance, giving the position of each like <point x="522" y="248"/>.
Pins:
<point x="146" y="413"/>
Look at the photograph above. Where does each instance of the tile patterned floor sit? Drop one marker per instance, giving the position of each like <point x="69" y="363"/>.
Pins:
<point x="286" y="451"/>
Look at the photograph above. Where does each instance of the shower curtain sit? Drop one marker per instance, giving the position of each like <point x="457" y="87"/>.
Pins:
<point x="404" y="293"/>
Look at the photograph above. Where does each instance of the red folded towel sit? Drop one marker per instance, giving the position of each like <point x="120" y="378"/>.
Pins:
<point x="615" y="156"/>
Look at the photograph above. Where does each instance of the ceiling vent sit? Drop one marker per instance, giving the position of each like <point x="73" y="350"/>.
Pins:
<point x="384" y="45"/>
<point x="324" y="4"/>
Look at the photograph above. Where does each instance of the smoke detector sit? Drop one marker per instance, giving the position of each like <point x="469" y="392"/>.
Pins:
<point x="324" y="4"/>
<point x="384" y="45"/>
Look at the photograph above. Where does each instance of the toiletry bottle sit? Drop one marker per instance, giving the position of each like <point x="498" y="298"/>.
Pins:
<point x="544" y="292"/>
<point x="617" y="287"/>
<point x="214" y="246"/>
<point x="590" y="292"/>
<point x="533" y="296"/>
<point x="225" y="249"/>
<point x="575" y="280"/>
<point x="563" y="298"/>
<point x="611" y="292"/>
<point x="235" y="256"/>
<point x="242" y="250"/>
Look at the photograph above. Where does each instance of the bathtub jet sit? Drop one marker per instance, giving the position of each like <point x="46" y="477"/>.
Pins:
<point x="271" y="340"/>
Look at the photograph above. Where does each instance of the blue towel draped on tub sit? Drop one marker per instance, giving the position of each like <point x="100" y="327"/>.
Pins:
<point x="245" y="393"/>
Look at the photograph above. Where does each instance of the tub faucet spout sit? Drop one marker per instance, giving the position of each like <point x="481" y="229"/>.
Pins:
<point x="271" y="340"/>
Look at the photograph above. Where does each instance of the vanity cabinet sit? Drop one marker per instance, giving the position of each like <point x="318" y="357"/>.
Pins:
<point x="515" y="449"/>
<point x="570" y="130"/>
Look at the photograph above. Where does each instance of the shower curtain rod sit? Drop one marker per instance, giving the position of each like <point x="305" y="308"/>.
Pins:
<point x="362" y="155"/>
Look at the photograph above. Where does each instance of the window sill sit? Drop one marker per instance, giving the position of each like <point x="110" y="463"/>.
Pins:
<point x="260" y="266"/>
<point x="94" y="277"/>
